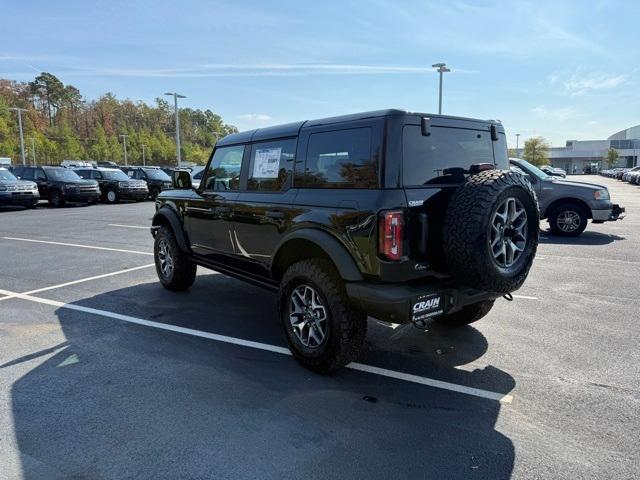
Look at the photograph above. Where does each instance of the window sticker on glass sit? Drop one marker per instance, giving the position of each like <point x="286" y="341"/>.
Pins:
<point x="267" y="161"/>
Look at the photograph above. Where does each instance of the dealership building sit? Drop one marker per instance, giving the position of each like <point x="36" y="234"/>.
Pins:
<point x="583" y="156"/>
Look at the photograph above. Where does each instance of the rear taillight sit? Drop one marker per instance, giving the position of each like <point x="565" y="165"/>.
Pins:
<point x="390" y="234"/>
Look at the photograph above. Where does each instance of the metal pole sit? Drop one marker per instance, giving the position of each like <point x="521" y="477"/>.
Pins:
<point x="176" y="96"/>
<point x="144" y="161"/>
<point x="442" y="69"/>
<point x="124" y="146"/>
<point x="33" y="150"/>
<point x="517" y="141"/>
<point x="20" y="110"/>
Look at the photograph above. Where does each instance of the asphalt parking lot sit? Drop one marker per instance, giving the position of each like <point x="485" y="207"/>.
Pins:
<point x="104" y="374"/>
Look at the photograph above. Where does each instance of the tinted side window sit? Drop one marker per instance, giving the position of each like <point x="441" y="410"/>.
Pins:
<point x="40" y="175"/>
<point x="23" y="173"/>
<point x="425" y="157"/>
<point x="96" y="175"/>
<point x="271" y="164"/>
<point x="86" y="174"/>
<point x="224" y="169"/>
<point x="341" y="159"/>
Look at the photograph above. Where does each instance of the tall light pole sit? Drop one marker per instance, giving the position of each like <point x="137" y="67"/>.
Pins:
<point x="33" y="150"/>
<point x="20" y="110"/>
<point x="517" y="141"/>
<point x="176" y="96"/>
<point x="144" y="160"/>
<point x="441" y="68"/>
<point x="124" y="146"/>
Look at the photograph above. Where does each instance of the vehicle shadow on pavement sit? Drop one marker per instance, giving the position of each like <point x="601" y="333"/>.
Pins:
<point x="124" y="400"/>
<point x="585" y="238"/>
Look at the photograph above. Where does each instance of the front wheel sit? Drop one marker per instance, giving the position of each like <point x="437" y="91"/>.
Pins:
<point x="175" y="270"/>
<point x="469" y="314"/>
<point x="323" y="332"/>
<point x="112" y="196"/>
<point x="568" y="220"/>
<point x="56" y="199"/>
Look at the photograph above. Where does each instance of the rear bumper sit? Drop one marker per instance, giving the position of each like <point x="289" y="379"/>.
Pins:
<point x="395" y="303"/>
<point x="616" y="212"/>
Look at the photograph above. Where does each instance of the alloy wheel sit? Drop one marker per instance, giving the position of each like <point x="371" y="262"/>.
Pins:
<point x="508" y="232"/>
<point x="568" y="221"/>
<point x="308" y="316"/>
<point x="165" y="258"/>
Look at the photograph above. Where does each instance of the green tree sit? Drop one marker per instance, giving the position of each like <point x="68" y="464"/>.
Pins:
<point x="612" y="157"/>
<point x="536" y="151"/>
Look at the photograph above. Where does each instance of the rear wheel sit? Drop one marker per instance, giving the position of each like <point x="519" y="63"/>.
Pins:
<point x="175" y="270"/>
<point x="323" y="332"/>
<point x="56" y="199"/>
<point x="469" y="314"/>
<point x="568" y="220"/>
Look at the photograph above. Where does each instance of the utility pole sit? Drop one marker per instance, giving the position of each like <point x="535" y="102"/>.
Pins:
<point x="176" y="96"/>
<point x="124" y="146"/>
<point x="144" y="160"/>
<point x="33" y="150"/>
<point x="441" y="68"/>
<point x="517" y="141"/>
<point x="20" y="110"/>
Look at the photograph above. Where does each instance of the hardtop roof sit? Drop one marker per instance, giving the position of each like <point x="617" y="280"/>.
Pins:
<point x="293" y="129"/>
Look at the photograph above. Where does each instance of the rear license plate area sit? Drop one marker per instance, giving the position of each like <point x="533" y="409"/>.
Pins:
<point x="427" y="306"/>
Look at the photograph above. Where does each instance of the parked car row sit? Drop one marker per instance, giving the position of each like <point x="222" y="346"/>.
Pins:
<point x="26" y="185"/>
<point x="631" y="175"/>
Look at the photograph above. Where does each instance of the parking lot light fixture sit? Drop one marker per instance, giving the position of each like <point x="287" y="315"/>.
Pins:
<point x="124" y="146"/>
<point x="176" y="96"/>
<point x="19" y="111"/>
<point x="441" y="69"/>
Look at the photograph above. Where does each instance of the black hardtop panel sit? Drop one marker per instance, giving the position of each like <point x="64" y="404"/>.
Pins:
<point x="293" y="129"/>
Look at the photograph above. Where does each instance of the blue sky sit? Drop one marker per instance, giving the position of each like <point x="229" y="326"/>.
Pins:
<point x="563" y="70"/>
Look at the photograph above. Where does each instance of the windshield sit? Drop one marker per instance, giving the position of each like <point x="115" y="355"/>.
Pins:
<point x="115" y="175"/>
<point x="531" y="169"/>
<point x="426" y="157"/>
<point x="62" y="174"/>
<point x="157" y="174"/>
<point x="6" y="175"/>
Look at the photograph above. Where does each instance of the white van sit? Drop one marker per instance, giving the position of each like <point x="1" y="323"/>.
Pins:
<point x="5" y="162"/>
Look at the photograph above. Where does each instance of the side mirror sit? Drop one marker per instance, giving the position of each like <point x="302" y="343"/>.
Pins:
<point x="181" y="180"/>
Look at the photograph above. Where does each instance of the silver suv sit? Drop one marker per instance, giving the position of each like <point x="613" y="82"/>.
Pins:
<point x="568" y="205"/>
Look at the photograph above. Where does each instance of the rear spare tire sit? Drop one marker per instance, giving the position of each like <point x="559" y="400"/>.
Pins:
<point x="491" y="228"/>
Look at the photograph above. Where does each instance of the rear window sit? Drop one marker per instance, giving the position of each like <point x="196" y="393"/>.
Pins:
<point x="424" y="158"/>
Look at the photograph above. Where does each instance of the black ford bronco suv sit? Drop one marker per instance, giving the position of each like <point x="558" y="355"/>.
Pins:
<point x="60" y="185"/>
<point x="403" y="217"/>
<point x="115" y="185"/>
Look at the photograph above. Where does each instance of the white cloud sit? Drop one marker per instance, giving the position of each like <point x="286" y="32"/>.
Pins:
<point x="580" y="84"/>
<point x="560" y="114"/>
<point x="254" y="117"/>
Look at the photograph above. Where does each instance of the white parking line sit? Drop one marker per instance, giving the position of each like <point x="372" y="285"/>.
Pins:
<point x="77" y="245"/>
<point x="127" y="226"/>
<point x="265" y="346"/>
<point x="82" y="280"/>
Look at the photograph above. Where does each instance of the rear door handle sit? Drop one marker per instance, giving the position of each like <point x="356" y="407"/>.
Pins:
<point x="274" y="214"/>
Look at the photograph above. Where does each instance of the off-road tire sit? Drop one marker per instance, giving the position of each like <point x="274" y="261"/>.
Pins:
<point x="564" y="207"/>
<point x="467" y="229"/>
<point x="116" y="197"/>
<point x="347" y="328"/>
<point x="56" y="199"/>
<point x="184" y="270"/>
<point x="469" y="314"/>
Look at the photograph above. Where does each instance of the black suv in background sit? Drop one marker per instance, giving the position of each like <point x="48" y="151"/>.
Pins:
<point x="115" y="185"/>
<point x="404" y="217"/>
<point x="60" y="185"/>
<point x="17" y="192"/>
<point x="157" y="180"/>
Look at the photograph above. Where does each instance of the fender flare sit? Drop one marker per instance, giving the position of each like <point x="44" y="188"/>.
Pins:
<point x="169" y="215"/>
<point x="339" y="255"/>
